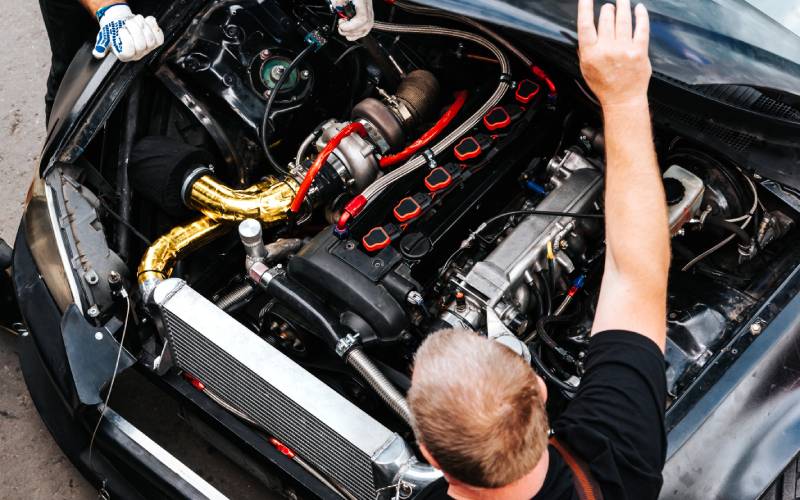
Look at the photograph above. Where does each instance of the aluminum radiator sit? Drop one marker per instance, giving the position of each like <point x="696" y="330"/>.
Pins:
<point x="338" y="439"/>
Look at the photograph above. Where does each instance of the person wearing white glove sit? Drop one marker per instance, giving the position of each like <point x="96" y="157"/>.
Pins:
<point x="356" y="17"/>
<point x="129" y="36"/>
<point x="72" y="23"/>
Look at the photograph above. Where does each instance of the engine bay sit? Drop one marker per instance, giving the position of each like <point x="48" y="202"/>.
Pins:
<point x="342" y="201"/>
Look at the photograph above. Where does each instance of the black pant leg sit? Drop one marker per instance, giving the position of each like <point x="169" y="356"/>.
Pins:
<point x="68" y="26"/>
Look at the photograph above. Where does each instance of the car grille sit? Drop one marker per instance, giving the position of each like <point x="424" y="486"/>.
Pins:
<point x="327" y="431"/>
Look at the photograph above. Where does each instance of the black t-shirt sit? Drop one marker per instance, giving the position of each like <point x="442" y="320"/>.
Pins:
<point x="615" y="424"/>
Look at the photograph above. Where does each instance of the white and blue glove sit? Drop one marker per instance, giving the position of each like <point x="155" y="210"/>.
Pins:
<point x="131" y="37"/>
<point x="356" y="17"/>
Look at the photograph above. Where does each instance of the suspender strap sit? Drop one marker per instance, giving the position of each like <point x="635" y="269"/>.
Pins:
<point x="586" y="486"/>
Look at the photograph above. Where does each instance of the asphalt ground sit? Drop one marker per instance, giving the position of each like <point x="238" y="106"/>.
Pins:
<point x="31" y="464"/>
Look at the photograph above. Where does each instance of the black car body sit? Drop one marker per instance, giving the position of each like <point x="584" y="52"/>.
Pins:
<point x="725" y="109"/>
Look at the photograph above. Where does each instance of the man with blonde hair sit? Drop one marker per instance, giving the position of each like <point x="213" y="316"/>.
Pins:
<point x="479" y="409"/>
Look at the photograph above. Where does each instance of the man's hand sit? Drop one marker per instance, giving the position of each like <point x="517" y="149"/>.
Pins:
<point x="614" y="61"/>
<point x="131" y="37"/>
<point x="355" y="18"/>
<point x="614" y="57"/>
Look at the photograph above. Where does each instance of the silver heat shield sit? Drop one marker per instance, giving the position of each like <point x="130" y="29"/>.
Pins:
<point x="340" y="441"/>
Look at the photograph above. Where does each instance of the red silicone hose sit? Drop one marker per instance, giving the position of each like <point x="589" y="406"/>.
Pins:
<point x="431" y="134"/>
<point x="322" y="157"/>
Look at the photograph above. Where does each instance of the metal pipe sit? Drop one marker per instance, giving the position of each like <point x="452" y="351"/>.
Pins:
<point x="159" y="259"/>
<point x="235" y="296"/>
<point x="359" y="360"/>
<point x="123" y="181"/>
<point x="268" y="201"/>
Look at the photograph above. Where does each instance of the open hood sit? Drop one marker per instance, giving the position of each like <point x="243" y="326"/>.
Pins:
<point x="698" y="43"/>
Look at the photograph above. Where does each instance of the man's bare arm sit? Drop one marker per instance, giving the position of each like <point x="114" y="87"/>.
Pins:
<point x="615" y="63"/>
<point x="94" y="5"/>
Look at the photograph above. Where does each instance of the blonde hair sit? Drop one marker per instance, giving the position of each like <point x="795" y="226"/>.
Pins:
<point x="477" y="408"/>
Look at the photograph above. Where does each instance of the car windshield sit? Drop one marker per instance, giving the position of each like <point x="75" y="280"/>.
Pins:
<point x="747" y="42"/>
<point x="785" y="12"/>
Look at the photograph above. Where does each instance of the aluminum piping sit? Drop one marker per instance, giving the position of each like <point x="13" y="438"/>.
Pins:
<point x="374" y="189"/>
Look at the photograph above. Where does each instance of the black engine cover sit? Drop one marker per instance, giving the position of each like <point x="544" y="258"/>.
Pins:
<point x="350" y="281"/>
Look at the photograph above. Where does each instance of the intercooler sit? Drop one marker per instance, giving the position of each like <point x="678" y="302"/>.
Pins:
<point x="335" y="437"/>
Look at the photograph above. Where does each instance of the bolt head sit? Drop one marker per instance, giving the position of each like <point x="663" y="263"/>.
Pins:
<point x="93" y="312"/>
<point x="305" y="74"/>
<point x="756" y="328"/>
<point x="98" y="335"/>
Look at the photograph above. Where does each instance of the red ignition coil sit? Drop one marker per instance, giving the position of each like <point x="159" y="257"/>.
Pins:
<point x="471" y="147"/>
<point x="380" y="237"/>
<point x="501" y="117"/>
<point x="442" y="177"/>
<point x="411" y="207"/>
<point x="526" y="91"/>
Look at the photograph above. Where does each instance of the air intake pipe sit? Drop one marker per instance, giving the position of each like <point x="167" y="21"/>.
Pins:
<point x="159" y="259"/>
<point x="176" y="177"/>
<point x="267" y="202"/>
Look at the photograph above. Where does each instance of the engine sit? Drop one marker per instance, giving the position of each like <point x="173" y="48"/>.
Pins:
<point x="314" y="209"/>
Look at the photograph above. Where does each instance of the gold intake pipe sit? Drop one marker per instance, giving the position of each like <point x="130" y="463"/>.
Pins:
<point x="268" y="201"/>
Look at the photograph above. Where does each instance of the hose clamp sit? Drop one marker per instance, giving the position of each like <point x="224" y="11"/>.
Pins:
<point x="259" y="273"/>
<point x="430" y="158"/>
<point x="346" y="344"/>
<point x="191" y="178"/>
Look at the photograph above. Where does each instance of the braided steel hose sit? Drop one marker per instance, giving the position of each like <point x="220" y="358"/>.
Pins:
<point x="377" y="187"/>
<point x="428" y="11"/>
<point x="378" y="381"/>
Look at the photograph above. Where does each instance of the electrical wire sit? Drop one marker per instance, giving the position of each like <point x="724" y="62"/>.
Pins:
<point x="546" y="213"/>
<point x="113" y="375"/>
<point x="586" y="93"/>
<point x="267" y="119"/>
<point x="756" y="201"/>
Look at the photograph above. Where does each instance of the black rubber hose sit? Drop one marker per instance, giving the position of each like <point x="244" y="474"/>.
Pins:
<point x="301" y="301"/>
<point x="730" y="227"/>
<point x="537" y="362"/>
<point x="266" y="125"/>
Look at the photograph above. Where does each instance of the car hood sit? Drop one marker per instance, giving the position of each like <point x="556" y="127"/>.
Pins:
<point x="697" y="43"/>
